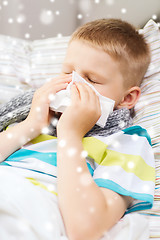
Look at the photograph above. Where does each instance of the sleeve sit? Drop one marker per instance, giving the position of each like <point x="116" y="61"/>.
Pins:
<point x="128" y="167"/>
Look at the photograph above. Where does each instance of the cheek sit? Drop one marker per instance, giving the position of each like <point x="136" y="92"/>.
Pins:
<point x="106" y="91"/>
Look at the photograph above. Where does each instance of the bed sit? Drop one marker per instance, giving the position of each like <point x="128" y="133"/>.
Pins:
<point x="28" y="64"/>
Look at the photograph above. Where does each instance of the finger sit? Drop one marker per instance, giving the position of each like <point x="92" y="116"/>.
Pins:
<point x="93" y="97"/>
<point x="52" y="84"/>
<point x="59" y="80"/>
<point x="83" y="92"/>
<point x="74" y="93"/>
<point x="49" y="93"/>
<point x="61" y="76"/>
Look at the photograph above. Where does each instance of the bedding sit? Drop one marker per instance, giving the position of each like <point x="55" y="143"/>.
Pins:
<point x="148" y="116"/>
<point x="36" y="163"/>
<point x="25" y="64"/>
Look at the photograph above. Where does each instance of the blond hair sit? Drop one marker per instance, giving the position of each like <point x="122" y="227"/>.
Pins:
<point x="122" y="42"/>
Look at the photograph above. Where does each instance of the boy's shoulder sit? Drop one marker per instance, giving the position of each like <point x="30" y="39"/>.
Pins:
<point x="137" y="131"/>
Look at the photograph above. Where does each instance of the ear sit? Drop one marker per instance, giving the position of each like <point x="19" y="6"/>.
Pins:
<point x="130" y="98"/>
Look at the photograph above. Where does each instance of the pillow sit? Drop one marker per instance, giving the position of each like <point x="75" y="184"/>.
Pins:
<point x="147" y="109"/>
<point x="152" y="35"/>
<point x="27" y="64"/>
<point x="46" y="59"/>
<point x="14" y="67"/>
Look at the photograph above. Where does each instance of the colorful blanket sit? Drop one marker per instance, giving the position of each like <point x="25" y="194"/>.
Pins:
<point x="122" y="162"/>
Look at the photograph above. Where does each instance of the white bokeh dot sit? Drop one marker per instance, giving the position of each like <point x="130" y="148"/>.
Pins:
<point x="21" y="7"/>
<point x="45" y="130"/>
<point x="57" y="13"/>
<point x="32" y="129"/>
<point x="85" y="179"/>
<point x="131" y="164"/>
<point x="27" y="35"/>
<point x="84" y="154"/>
<point x="71" y="151"/>
<point x="123" y="10"/>
<point x="10" y="20"/>
<point x="51" y="187"/>
<point x="116" y="144"/>
<point x="109" y="2"/>
<point x="21" y="18"/>
<point x="154" y="16"/>
<point x="51" y="96"/>
<point x="110" y="201"/>
<point x="9" y="135"/>
<point x="135" y="137"/>
<point x="10" y="114"/>
<point x="79" y="16"/>
<point x="77" y="189"/>
<point x="92" y="209"/>
<point x="146" y="188"/>
<point x="38" y="109"/>
<point x="59" y="35"/>
<point x="5" y="3"/>
<point x="84" y="6"/>
<point x="22" y="140"/>
<point x="54" y="122"/>
<point x="105" y="175"/>
<point x="121" y="124"/>
<point x="62" y="143"/>
<point x="49" y="226"/>
<point x="79" y="169"/>
<point x="46" y="17"/>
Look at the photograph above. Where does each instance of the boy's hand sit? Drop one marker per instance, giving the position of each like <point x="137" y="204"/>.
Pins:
<point x="40" y="114"/>
<point x="83" y="112"/>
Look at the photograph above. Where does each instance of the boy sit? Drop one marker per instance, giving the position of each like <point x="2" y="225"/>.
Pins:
<point x="93" y="193"/>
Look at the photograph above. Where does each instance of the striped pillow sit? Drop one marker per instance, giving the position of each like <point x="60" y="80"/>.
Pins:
<point x="27" y="64"/>
<point x="148" y="107"/>
<point x="46" y="59"/>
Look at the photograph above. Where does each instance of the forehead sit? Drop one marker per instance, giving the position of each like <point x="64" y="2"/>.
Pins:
<point x="78" y="50"/>
<point x="82" y="47"/>
<point x="84" y="55"/>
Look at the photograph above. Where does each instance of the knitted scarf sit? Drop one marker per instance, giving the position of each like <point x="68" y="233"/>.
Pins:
<point x="17" y="109"/>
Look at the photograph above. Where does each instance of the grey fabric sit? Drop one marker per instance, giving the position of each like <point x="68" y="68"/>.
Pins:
<point x="17" y="109"/>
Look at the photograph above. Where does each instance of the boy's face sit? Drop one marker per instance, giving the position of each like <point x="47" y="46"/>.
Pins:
<point x="96" y="67"/>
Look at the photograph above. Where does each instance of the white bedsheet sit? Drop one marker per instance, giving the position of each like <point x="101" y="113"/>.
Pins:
<point x="29" y="212"/>
<point x="132" y="226"/>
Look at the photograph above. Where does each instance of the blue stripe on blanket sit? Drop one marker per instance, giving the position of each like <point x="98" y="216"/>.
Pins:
<point x="47" y="157"/>
<point x="22" y="154"/>
<point x="147" y="198"/>
<point x="139" y="131"/>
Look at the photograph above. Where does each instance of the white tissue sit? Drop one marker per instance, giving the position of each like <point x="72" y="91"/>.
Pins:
<point x="62" y="100"/>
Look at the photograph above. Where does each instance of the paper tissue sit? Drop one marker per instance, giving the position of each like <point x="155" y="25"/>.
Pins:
<point x="62" y="100"/>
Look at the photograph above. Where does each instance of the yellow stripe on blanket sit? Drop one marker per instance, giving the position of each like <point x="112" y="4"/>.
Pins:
<point x="130" y="163"/>
<point x="95" y="148"/>
<point x="36" y="183"/>
<point x="42" y="138"/>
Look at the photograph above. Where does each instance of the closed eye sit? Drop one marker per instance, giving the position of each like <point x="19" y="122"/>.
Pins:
<point x="91" y="80"/>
